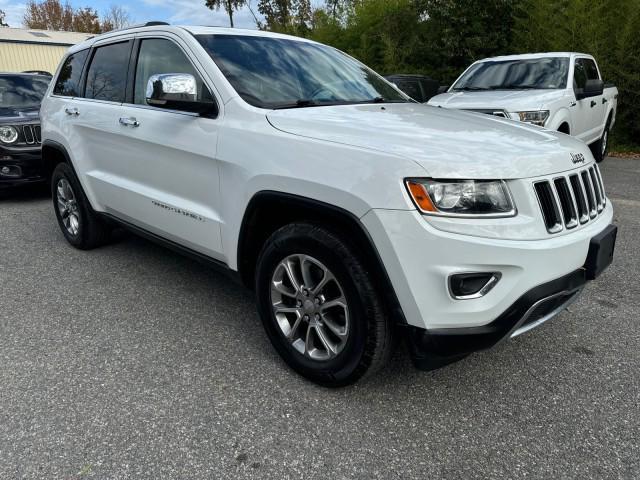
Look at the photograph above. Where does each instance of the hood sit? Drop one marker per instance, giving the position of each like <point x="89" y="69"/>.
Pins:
<point x="13" y="114"/>
<point x="508" y="100"/>
<point x="447" y="143"/>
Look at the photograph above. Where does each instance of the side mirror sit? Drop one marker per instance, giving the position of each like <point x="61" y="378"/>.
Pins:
<point x="177" y="91"/>
<point x="592" y="88"/>
<point x="443" y="89"/>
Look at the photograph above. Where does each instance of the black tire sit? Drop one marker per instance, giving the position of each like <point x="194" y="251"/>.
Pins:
<point x="601" y="147"/>
<point x="369" y="342"/>
<point x="92" y="231"/>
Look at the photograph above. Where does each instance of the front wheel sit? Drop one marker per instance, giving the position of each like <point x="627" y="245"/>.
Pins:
<point x="319" y="306"/>
<point x="601" y="147"/>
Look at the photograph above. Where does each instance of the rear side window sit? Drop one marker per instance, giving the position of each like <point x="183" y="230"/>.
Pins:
<point x="68" y="81"/>
<point x="107" y="75"/>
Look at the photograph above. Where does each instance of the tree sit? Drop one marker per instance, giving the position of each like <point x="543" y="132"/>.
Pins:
<point x="229" y="6"/>
<point x="48" y="15"/>
<point x="116" y="18"/>
<point x="286" y="16"/>
<point x="2" y="17"/>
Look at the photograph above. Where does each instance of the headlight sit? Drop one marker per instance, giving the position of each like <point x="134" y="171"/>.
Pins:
<point x="8" y="134"/>
<point x="476" y="198"/>
<point x="539" y="117"/>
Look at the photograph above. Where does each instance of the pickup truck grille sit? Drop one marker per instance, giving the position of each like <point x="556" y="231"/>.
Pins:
<point x="490" y="111"/>
<point x="571" y="200"/>
<point x="31" y="134"/>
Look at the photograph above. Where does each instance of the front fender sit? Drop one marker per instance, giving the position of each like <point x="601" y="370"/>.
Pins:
<point x="558" y="118"/>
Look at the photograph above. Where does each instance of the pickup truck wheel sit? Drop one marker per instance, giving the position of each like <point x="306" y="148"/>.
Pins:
<point x="80" y="225"/>
<point x="319" y="307"/>
<point x="601" y="147"/>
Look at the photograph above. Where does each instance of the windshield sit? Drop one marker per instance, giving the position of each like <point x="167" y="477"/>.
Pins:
<point x="538" y="73"/>
<point x="21" y="91"/>
<point x="280" y="73"/>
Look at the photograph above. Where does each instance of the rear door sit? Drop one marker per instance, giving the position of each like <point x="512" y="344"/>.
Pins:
<point x="97" y="143"/>
<point x="169" y="172"/>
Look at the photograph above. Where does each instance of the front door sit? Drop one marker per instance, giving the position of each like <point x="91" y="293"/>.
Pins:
<point x="169" y="169"/>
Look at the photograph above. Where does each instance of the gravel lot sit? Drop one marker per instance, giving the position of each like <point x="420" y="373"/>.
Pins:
<point x="133" y="362"/>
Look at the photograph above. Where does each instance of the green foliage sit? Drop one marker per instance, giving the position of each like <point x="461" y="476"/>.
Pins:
<point x="607" y="29"/>
<point x="441" y="38"/>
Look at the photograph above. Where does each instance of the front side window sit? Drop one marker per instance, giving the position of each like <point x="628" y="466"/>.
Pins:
<point x="160" y="56"/>
<point x="537" y="73"/>
<point x="68" y="81"/>
<point x="590" y="68"/>
<point x="281" y="73"/>
<point x="579" y="75"/>
<point x="22" y="91"/>
<point x="107" y="75"/>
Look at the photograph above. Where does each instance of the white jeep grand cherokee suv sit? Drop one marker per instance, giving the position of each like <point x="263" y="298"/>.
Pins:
<point x="357" y="215"/>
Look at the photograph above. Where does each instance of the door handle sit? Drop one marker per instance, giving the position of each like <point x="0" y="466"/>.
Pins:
<point x="604" y="100"/>
<point x="129" y="122"/>
<point x="71" y="111"/>
<point x="593" y="103"/>
<point x="572" y="103"/>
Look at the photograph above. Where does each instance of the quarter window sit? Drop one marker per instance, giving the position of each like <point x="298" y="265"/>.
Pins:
<point x="159" y="56"/>
<point x="68" y="81"/>
<point x="107" y="76"/>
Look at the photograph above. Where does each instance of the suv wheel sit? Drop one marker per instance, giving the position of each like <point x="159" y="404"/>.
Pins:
<point x="319" y="307"/>
<point x="80" y="225"/>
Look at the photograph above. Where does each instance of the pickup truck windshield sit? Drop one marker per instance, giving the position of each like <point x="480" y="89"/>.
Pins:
<point x="280" y="73"/>
<point x="18" y="91"/>
<point x="538" y="73"/>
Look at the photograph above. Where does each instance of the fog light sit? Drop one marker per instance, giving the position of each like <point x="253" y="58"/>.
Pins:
<point x="465" y="286"/>
<point x="11" y="171"/>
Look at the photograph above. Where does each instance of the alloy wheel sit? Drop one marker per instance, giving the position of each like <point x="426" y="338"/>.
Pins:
<point x="68" y="207"/>
<point x="310" y="307"/>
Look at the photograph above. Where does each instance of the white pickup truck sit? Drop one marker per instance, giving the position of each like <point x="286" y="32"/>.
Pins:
<point x="559" y="91"/>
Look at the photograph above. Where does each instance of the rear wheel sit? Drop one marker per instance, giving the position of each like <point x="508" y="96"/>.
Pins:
<point x="80" y="225"/>
<point x="319" y="306"/>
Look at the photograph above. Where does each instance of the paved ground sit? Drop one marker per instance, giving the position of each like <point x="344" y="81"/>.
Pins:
<point x="133" y="362"/>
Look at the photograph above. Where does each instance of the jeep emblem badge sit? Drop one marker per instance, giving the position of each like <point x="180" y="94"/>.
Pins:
<point x="577" y="158"/>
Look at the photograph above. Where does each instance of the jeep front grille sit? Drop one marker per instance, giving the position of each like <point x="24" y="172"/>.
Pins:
<point x="31" y="134"/>
<point x="571" y="200"/>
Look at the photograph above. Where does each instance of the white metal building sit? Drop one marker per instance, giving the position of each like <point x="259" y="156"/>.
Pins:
<point x="23" y="49"/>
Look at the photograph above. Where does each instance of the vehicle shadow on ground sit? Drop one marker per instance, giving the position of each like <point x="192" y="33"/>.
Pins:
<point x="26" y="193"/>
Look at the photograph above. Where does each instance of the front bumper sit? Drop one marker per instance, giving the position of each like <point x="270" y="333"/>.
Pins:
<point x="28" y="162"/>
<point x="431" y="349"/>
<point x="540" y="274"/>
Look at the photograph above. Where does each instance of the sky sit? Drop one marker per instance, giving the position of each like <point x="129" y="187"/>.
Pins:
<point x="178" y="12"/>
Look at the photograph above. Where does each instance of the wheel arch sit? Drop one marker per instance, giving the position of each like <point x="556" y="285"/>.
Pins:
<point x="54" y="153"/>
<point x="267" y="211"/>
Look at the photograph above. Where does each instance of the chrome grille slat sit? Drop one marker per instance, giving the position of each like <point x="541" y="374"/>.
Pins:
<point x="580" y="196"/>
<point x="571" y="200"/>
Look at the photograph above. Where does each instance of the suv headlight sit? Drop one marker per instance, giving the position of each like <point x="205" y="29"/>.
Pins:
<point x="462" y="198"/>
<point x="539" y="117"/>
<point x="8" y="134"/>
